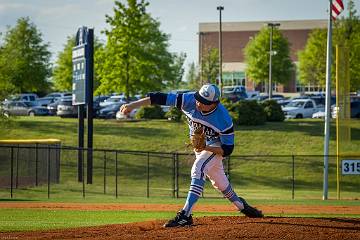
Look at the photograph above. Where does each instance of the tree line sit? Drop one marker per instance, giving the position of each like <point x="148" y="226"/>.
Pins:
<point x="135" y="58"/>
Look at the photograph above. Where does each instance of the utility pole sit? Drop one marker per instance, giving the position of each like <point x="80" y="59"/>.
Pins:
<point x="220" y="8"/>
<point x="271" y="25"/>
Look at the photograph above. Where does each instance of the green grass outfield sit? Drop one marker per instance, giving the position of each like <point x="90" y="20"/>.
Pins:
<point x="15" y="219"/>
<point x="261" y="179"/>
<point x="303" y="136"/>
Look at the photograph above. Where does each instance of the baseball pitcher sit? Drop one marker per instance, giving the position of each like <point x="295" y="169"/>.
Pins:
<point x="212" y="137"/>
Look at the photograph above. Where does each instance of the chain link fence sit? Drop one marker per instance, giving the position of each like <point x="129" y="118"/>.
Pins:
<point x="52" y="170"/>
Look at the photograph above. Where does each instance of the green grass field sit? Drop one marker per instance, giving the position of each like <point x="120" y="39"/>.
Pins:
<point x="289" y="137"/>
<point x="260" y="181"/>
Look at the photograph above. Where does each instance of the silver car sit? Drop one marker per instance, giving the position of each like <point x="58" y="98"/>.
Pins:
<point x="16" y="108"/>
<point x="66" y="109"/>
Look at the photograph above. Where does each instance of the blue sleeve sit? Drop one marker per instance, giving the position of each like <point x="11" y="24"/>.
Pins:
<point x="188" y="101"/>
<point x="228" y="149"/>
<point x="175" y="100"/>
<point x="158" y="98"/>
<point x="168" y="99"/>
<point x="227" y="138"/>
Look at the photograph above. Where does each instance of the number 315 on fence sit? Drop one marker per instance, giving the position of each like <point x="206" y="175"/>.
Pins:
<point x="350" y="167"/>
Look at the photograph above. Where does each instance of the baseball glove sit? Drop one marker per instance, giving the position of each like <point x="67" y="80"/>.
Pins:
<point x="198" y="141"/>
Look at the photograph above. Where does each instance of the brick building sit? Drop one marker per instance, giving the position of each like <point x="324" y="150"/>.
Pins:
<point x="235" y="36"/>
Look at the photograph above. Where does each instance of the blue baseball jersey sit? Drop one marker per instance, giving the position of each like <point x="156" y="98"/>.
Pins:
<point x="218" y="124"/>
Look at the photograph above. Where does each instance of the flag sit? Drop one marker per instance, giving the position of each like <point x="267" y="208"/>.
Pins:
<point x="337" y="7"/>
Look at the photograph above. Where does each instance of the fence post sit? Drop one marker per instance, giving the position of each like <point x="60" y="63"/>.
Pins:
<point x="177" y="175"/>
<point x="83" y="171"/>
<point x="116" y="174"/>
<point x="174" y="176"/>
<point x="11" y="171"/>
<point x="17" y="167"/>
<point x="293" y="178"/>
<point x="148" y="176"/>
<point x="36" y="164"/>
<point x="49" y="168"/>
<point x="58" y="152"/>
<point x="104" y="172"/>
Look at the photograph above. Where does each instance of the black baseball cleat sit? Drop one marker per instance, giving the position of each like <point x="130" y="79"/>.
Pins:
<point x="180" y="220"/>
<point x="250" y="211"/>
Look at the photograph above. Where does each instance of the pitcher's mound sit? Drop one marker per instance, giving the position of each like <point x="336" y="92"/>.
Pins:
<point x="212" y="228"/>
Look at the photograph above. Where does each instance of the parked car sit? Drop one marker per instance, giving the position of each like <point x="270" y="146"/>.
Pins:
<point x="235" y="96"/>
<point x="354" y="110"/>
<point x="252" y="94"/>
<point x="234" y="89"/>
<point x="52" y="107"/>
<point x="66" y="109"/>
<point x="112" y="100"/>
<point x="320" y="114"/>
<point x="283" y="102"/>
<point x="58" y="95"/>
<point x="320" y="100"/>
<point x="23" y="97"/>
<point x="109" y="111"/>
<point x="301" y="108"/>
<point x="45" y="101"/>
<point x="99" y="99"/>
<point x="276" y="97"/>
<point x="18" y="108"/>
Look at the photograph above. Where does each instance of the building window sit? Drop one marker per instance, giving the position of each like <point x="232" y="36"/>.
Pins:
<point x="309" y="88"/>
<point x="234" y="78"/>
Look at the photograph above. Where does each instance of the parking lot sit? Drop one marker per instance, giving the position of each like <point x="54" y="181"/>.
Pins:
<point x="107" y="107"/>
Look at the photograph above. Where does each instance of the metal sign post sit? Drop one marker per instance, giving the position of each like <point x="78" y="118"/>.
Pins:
<point x="82" y="89"/>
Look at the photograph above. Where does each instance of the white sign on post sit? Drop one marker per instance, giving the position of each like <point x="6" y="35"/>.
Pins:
<point x="350" y="167"/>
<point x="79" y="75"/>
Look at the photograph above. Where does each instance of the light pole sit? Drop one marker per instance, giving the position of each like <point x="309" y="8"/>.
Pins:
<point x="271" y="25"/>
<point x="220" y="8"/>
<point x="201" y="36"/>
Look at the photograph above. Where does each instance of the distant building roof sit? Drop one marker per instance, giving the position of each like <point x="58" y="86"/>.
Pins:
<point x="256" y="26"/>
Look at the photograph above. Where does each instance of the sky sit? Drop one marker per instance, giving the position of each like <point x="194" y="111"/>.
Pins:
<point x="58" y="19"/>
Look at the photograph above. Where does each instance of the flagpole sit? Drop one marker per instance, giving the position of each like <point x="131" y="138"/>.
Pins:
<point x="327" y="105"/>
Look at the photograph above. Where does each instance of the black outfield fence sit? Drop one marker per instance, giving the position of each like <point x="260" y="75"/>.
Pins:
<point x="30" y="164"/>
<point x="41" y="170"/>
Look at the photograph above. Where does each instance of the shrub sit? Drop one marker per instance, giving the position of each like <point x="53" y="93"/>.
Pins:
<point x="174" y="114"/>
<point x="273" y="111"/>
<point x="248" y="113"/>
<point x="150" y="112"/>
<point x="5" y="122"/>
<point x="227" y="103"/>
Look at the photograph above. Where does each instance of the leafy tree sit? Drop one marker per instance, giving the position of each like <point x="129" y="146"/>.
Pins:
<point x="192" y="77"/>
<point x="135" y="58"/>
<point x="177" y="71"/>
<point x="256" y="55"/>
<point x="347" y="34"/>
<point x="24" y="60"/>
<point x="210" y="65"/>
<point x="312" y="60"/>
<point x="62" y="74"/>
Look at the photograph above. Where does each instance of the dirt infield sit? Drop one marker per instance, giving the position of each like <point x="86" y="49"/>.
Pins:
<point x="205" y="227"/>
